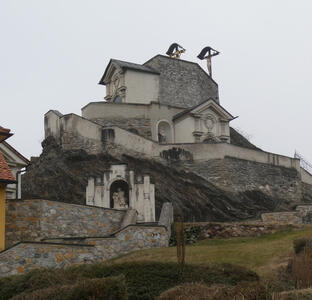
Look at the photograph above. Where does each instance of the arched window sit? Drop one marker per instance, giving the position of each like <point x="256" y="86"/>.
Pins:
<point x="164" y="132"/>
<point x="119" y="194"/>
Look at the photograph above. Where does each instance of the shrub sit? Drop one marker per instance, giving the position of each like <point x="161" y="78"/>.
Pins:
<point x="190" y="291"/>
<point x="144" y="280"/>
<point x="113" y="288"/>
<point x="300" y="244"/>
<point x="244" y="291"/>
<point x="192" y="234"/>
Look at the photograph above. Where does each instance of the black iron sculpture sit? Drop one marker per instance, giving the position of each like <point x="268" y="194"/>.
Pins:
<point x="207" y="53"/>
<point x="175" y="50"/>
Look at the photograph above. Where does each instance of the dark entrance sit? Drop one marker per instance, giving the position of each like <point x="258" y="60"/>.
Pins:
<point x="119" y="194"/>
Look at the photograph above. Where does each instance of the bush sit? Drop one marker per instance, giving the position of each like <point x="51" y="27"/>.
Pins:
<point x="300" y="244"/>
<point x="244" y="291"/>
<point x="190" y="291"/>
<point x="144" y="280"/>
<point x="113" y="288"/>
<point x="192" y="234"/>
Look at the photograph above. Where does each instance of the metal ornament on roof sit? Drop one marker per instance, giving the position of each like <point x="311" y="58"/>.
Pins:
<point x="207" y="53"/>
<point x="175" y="50"/>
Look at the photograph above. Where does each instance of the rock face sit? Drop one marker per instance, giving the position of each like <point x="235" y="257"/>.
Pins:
<point x="62" y="176"/>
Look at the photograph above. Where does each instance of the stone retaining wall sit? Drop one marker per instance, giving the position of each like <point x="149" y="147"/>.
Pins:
<point x="60" y="253"/>
<point x="239" y="175"/>
<point x="33" y="220"/>
<point x="300" y="216"/>
<point x="199" y="231"/>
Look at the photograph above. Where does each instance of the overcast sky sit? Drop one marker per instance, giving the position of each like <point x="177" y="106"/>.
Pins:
<point x="53" y="54"/>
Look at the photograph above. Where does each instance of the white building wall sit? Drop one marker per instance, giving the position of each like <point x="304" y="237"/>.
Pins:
<point x="183" y="130"/>
<point x="146" y="91"/>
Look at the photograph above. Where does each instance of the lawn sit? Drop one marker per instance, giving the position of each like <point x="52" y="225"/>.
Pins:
<point x="260" y="254"/>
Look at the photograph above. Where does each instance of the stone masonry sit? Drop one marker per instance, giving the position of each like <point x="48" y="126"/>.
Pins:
<point x="141" y="126"/>
<point x="60" y="253"/>
<point x="33" y="220"/>
<point x="302" y="215"/>
<point x="42" y="233"/>
<point x="240" y="175"/>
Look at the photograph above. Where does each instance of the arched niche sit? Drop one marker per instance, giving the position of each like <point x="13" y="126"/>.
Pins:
<point x="164" y="132"/>
<point x="119" y="194"/>
<point x="117" y="99"/>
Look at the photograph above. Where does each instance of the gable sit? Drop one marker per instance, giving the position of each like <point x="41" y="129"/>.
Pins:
<point x="206" y="107"/>
<point x="12" y="156"/>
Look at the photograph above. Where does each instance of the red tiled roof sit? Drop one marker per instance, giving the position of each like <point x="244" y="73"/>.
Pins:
<point x="5" y="172"/>
<point x="4" y="133"/>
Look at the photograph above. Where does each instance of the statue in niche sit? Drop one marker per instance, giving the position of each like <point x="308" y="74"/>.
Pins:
<point x="119" y="199"/>
<point x="162" y="136"/>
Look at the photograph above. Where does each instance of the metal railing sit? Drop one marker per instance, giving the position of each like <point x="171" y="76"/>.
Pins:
<point x="303" y="162"/>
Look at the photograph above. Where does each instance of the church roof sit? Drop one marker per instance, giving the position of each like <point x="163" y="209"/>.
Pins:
<point x="127" y="65"/>
<point x="184" y="112"/>
<point x="6" y="175"/>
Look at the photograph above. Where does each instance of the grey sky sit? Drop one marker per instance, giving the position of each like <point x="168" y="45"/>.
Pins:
<point x="53" y="54"/>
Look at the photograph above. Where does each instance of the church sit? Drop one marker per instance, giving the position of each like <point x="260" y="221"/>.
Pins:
<point x="167" y="109"/>
<point x="166" y="99"/>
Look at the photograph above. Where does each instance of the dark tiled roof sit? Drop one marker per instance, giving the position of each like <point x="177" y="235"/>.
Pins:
<point x="5" y="172"/>
<point x="239" y="140"/>
<point x="128" y="65"/>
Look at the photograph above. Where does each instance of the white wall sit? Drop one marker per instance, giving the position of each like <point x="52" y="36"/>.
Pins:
<point x="306" y="177"/>
<point x="144" y="92"/>
<point x="183" y="130"/>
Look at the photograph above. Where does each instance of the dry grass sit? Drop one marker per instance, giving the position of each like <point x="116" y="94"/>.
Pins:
<point x="301" y="268"/>
<point x="261" y="254"/>
<point x="191" y="291"/>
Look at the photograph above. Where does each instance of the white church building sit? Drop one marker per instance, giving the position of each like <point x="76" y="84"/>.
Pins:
<point x="165" y="108"/>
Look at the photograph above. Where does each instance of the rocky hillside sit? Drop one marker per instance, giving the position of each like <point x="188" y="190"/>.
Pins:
<point x="62" y="176"/>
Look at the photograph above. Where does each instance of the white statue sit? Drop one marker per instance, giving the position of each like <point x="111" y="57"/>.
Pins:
<point x="119" y="199"/>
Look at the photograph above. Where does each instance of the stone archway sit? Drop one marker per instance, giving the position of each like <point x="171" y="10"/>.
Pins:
<point x="119" y="194"/>
<point x="164" y="132"/>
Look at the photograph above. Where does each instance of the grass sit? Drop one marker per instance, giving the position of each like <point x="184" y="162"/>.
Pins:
<point x="259" y="254"/>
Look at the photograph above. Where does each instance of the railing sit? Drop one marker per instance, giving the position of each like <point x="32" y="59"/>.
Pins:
<point x="303" y="162"/>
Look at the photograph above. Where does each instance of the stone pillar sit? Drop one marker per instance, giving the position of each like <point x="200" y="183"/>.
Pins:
<point x="90" y="192"/>
<point x="147" y="202"/>
<point x="98" y="192"/>
<point x="132" y="196"/>
<point x="166" y="216"/>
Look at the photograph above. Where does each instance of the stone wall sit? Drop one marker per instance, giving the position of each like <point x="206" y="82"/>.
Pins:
<point x="286" y="217"/>
<point x="33" y="220"/>
<point x="26" y="256"/>
<point x="208" y="230"/>
<point x="182" y="83"/>
<point x="302" y="215"/>
<point x="141" y="126"/>
<point x="306" y="192"/>
<point x="240" y="175"/>
<point x="60" y="253"/>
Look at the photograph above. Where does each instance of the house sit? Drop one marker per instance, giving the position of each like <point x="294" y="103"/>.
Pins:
<point x="6" y="177"/>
